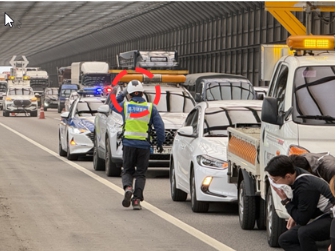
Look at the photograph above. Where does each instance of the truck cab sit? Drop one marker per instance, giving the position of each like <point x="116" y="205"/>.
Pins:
<point x="91" y="76"/>
<point x="301" y="98"/>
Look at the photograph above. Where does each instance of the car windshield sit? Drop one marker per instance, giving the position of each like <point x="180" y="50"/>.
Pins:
<point x="87" y="108"/>
<point x="20" y="91"/>
<point x="96" y="80"/>
<point x="67" y="92"/>
<point x="218" y="119"/>
<point x="3" y="87"/>
<point x="170" y="101"/>
<point x="228" y="89"/>
<point x="314" y="95"/>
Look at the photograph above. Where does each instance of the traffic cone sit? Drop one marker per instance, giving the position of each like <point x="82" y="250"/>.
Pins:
<point x="41" y="113"/>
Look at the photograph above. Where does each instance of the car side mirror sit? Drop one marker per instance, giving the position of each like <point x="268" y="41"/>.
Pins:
<point x="198" y="97"/>
<point x="104" y="109"/>
<point x="186" y="131"/>
<point x="64" y="115"/>
<point x="269" y="112"/>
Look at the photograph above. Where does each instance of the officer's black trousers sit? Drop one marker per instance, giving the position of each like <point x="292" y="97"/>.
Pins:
<point x="135" y="164"/>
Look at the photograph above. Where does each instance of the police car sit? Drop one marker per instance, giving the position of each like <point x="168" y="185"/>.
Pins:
<point x="76" y="127"/>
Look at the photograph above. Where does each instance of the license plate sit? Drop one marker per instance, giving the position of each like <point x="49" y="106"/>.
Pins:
<point x="166" y="150"/>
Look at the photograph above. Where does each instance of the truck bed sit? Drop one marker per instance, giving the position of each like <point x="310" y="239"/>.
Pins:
<point x="243" y="149"/>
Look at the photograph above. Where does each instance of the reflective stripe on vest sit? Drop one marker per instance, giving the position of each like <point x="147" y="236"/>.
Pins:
<point x="136" y="128"/>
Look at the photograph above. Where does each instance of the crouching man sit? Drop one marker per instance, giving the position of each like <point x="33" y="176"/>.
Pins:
<point x="309" y="208"/>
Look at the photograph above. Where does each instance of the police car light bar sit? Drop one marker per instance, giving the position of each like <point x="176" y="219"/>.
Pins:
<point x="311" y="42"/>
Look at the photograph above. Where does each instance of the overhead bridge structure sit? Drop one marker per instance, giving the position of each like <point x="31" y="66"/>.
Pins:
<point x="219" y="36"/>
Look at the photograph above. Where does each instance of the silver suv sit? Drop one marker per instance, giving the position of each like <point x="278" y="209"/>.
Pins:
<point x="174" y="105"/>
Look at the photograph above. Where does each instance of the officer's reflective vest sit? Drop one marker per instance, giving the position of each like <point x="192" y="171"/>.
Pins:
<point x="136" y="128"/>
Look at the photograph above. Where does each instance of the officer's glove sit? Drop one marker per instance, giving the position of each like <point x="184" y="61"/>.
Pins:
<point x="159" y="149"/>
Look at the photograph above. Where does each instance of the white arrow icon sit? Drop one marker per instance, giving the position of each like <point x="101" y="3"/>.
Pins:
<point x="8" y="20"/>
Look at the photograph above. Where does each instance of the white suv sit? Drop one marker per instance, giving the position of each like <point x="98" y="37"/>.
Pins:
<point x="174" y="105"/>
<point x="20" y="99"/>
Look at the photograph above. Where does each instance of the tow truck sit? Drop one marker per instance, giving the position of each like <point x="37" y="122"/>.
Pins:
<point x="174" y="105"/>
<point x="298" y="116"/>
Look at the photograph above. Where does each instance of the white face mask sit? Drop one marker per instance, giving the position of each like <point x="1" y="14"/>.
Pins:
<point x="287" y="189"/>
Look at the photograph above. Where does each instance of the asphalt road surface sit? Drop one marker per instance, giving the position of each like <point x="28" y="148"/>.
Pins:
<point x="50" y="203"/>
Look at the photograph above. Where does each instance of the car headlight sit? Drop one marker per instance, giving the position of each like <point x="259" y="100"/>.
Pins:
<point x="210" y="162"/>
<point x="80" y="130"/>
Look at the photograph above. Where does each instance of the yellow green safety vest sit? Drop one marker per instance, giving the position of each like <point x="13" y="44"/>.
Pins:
<point x="136" y="128"/>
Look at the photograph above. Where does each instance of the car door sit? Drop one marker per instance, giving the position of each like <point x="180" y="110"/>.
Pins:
<point x="277" y="139"/>
<point x="101" y="125"/>
<point x="184" y="150"/>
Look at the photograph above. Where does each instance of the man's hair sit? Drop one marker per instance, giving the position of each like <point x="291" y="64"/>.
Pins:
<point x="136" y="94"/>
<point x="280" y="166"/>
<point x="300" y="161"/>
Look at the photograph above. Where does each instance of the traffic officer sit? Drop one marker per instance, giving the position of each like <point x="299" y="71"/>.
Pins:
<point x="136" y="140"/>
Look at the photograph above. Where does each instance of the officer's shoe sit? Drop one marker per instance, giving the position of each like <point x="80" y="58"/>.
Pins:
<point x="127" y="197"/>
<point x="136" y="204"/>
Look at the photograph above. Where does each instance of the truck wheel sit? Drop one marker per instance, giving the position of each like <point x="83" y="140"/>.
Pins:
<point x="61" y="152"/>
<point x="196" y="206"/>
<point x="98" y="163"/>
<point x="111" y="169"/>
<point x="69" y="155"/>
<point x="45" y="108"/>
<point x="246" y="208"/>
<point x="275" y="226"/>
<point x="176" y="194"/>
<point x="5" y="113"/>
<point x="261" y="213"/>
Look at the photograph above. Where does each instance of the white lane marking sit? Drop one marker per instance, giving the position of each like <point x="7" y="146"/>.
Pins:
<point x="171" y="219"/>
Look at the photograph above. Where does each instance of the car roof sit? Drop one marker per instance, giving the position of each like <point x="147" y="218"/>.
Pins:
<point x="69" y="86"/>
<point x="191" y="79"/>
<point x="319" y="59"/>
<point x="164" y="87"/>
<point x="92" y="99"/>
<point x="261" y="88"/>
<point x="230" y="103"/>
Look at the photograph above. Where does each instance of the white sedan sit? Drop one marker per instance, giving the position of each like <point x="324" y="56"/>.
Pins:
<point x="198" y="164"/>
<point x="76" y="127"/>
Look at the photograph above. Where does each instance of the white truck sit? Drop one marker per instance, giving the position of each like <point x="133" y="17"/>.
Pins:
<point x="20" y="96"/>
<point x="298" y="116"/>
<point x="39" y="80"/>
<point x="92" y="77"/>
